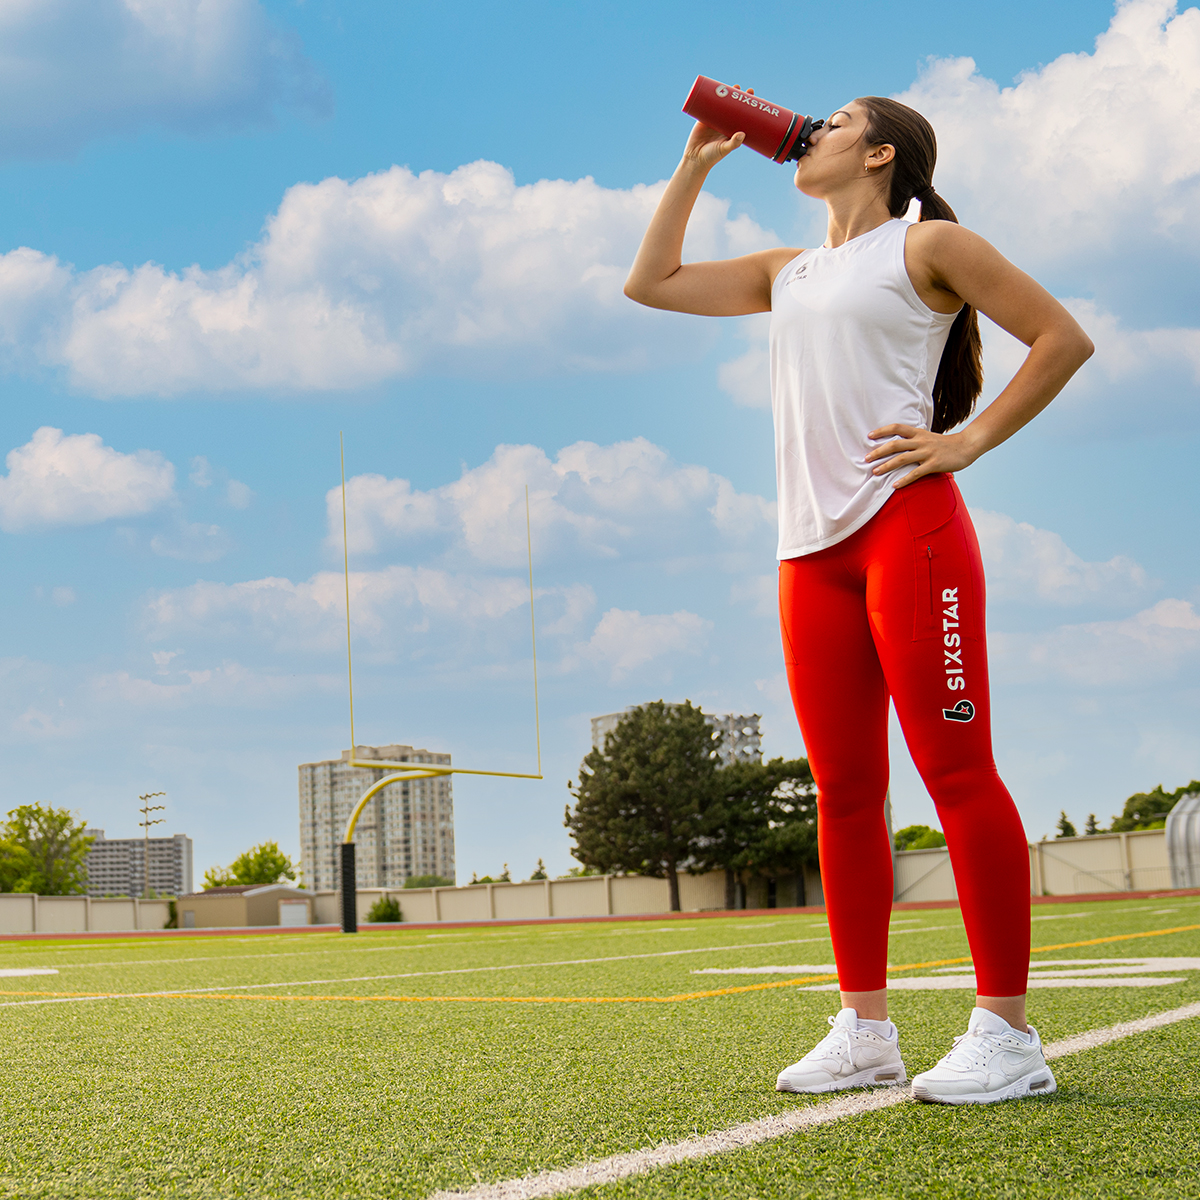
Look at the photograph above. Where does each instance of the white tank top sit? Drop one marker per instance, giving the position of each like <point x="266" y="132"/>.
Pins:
<point x="853" y="347"/>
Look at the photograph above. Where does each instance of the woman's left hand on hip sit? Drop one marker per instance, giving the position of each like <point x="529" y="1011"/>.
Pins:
<point x="908" y="446"/>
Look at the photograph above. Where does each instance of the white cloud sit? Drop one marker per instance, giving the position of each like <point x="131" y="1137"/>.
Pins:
<point x="1156" y="369"/>
<point x="35" y="725"/>
<point x="624" y="641"/>
<point x="73" y="70"/>
<point x="1033" y="565"/>
<point x="229" y="685"/>
<point x="238" y="494"/>
<point x="759" y="593"/>
<point x="201" y="473"/>
<point x="1084" y="157"/>
<point x="601" y="500"/>
<point x="77" y="480"/>
<point x="63" y="597"/>
<point x="310" y="615"/>
<point x="747" y="378"/>
<point x="1152" y="647"/>
<point x="162" y="660"/>
<point x="192" y="542"/>
<point x="360" y="281"/>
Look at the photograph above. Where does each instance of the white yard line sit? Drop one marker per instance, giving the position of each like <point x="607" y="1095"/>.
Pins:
<point x="639" y="1162"/>
<point x="564" y="962"/>
<point x="494" y="935"/>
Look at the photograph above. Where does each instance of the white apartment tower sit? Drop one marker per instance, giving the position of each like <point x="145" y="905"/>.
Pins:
<point x="406" y="830"/>
<point x="118" y="866"/>
<point x="742" y="740"/>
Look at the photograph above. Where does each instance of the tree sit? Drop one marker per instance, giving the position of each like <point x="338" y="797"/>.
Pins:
<point x="424" y="881"/>
<point x="260" y="865"/>
<point x="43" y="850"/>
<point x="1064" y="826"/>
<point x="386" y="908"/>
<point x="761" y="820"/>
<point x="1091" y="827"/>
<point x="504" y="877"/>
<point x="919" y="837"/>
<point x="1148" y="810"/>
<point x="640" y="799"/>
<point x="540" y="873"/>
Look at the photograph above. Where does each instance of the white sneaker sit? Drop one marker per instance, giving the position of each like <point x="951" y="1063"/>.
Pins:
<point x="990" y="1062"/>
<point x="849" y="1056"/>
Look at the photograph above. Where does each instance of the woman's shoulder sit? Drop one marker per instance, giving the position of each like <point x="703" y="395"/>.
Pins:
<point x="941" y="246"/>
<point x="778" y="258"/>
<point x="940" y="235"/>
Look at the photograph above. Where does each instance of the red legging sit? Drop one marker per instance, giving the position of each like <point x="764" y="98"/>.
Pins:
<point x="897" y="608"/>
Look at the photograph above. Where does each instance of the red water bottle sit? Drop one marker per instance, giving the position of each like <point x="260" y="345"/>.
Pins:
<point x="771" y="129"/>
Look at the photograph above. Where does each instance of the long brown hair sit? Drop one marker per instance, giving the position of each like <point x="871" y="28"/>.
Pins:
<point x="960" y="374"/>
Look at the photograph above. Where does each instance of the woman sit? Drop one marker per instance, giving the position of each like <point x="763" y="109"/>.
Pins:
<point x="875" y="360"/>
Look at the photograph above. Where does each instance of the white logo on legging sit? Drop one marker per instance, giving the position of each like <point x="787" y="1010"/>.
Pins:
<point x="952" y="643"/>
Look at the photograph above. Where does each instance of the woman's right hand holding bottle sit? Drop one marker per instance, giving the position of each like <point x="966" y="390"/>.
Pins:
<point x="707" y="146"/>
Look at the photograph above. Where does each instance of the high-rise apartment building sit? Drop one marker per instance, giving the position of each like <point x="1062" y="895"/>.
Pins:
<point x="117" y="866"/>
<point x="406" y="830"/>
<point x="742" y="741"/>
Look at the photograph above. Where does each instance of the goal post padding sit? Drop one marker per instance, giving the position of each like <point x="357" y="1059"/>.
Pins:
<point x="349" y="890"/>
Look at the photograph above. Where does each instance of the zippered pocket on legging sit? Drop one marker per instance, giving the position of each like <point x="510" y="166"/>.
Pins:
<point x="925" y="610"/>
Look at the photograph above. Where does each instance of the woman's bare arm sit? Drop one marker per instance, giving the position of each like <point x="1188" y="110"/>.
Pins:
<point x="952" y="263"/>
<point x="659" y="278"/>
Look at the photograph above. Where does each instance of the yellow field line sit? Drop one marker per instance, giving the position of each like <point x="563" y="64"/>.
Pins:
<point x="674" y="999"/>
<point x="1116" y="937"/>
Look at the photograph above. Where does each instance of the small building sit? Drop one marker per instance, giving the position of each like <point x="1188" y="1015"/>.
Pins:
<point x="243" y="905"/>
<point x="119" y="866"/>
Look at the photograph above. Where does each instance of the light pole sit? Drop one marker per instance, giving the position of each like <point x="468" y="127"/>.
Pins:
<point x="146" y="809"/>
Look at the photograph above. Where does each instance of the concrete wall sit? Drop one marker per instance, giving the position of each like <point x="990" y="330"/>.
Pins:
<point x="582" y="896"/>
<point x="23" y="912"/>
<point x="1104" y="862"/>
<point x="924" y="875"/>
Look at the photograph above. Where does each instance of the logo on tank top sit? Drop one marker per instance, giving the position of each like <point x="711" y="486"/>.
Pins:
<point x="964" y="710"/>
<point x="800" y="272"/>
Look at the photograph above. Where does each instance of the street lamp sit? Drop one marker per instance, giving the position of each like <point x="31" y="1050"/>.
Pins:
<point x="146" y="809"/>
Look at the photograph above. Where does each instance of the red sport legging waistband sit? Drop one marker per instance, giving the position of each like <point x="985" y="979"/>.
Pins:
<point x="897" y="609"/>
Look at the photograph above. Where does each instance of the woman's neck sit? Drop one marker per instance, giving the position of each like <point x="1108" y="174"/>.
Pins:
<point x="852" y="216"/>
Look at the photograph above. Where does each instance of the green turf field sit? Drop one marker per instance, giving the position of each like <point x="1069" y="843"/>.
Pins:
<point x="398" y="1064"/>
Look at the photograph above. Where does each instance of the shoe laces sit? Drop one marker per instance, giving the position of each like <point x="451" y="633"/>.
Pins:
<point x="968" y="1049"/>
<point x="837" y="1043"/>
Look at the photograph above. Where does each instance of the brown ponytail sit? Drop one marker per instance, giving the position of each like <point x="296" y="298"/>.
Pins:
<point x="960" y="374"/>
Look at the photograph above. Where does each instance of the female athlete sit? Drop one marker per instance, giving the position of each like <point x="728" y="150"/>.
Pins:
<point x="875" y="365"/>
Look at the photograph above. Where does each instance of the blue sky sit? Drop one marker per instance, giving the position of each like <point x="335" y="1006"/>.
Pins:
<point x="232" y="229"/>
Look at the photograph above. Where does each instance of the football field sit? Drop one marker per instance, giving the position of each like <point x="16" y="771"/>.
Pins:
<point x="604" y="1060"/>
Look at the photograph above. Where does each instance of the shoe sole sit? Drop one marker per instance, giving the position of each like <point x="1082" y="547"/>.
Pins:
<point x="1038" y="1083"/>
<point x="889" y="1076"/>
